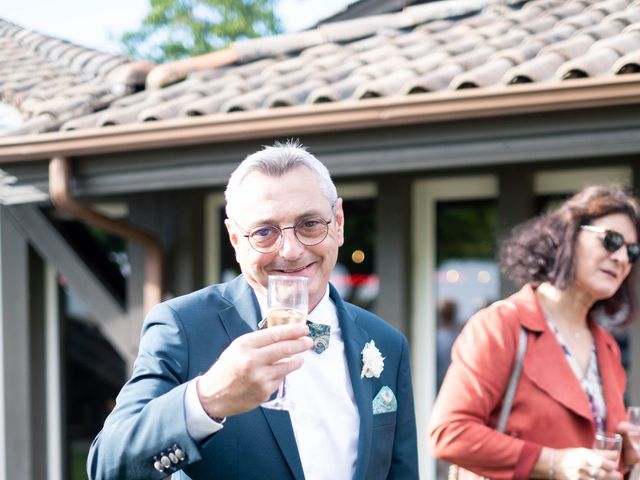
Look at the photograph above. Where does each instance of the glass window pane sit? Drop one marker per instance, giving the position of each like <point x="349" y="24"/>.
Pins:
<point x="468" y="277"/>
<point x="355" y="274"/>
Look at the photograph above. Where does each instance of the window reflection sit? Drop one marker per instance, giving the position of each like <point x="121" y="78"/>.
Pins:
<point x="467" y="276"/>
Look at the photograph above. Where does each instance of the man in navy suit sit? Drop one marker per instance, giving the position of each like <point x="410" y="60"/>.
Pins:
<point x="192" y="408"/>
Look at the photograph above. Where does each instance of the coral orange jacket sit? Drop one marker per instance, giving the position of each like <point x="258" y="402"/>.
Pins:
<point x="549" y="408"/>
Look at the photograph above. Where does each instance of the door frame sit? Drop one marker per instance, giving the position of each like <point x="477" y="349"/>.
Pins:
<point x="426" y="194"/>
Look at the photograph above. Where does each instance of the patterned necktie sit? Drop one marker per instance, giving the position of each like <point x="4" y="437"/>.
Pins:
<point x="319" y="333"/>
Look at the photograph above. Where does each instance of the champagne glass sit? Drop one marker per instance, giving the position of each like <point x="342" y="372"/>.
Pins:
<point x="634" y="435"/>
<point x="287" y="302"/>
<point x="608" y="444"/>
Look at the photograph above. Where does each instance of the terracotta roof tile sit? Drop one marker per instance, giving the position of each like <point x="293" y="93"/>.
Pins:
<point x="540" y="25"/>
<point x="439" y="79"/>
<point x="435" y="26"/>
<point x="252" y="100"/>
<point x="132" y="99"/>
<point x="523" y="52"/>
<point x="379" y="69"/>
<point x="473" y="58"/>
<point x="627" y="17"/>
<point x="43" y="123"/>
<point x="538" y="69"/>
<point x="609" y="6"/>
<point x="630" y="63"/>
<point x="464" y="44"/>
<point x="211" y="104"/>
<point x="86" y="121"/>
<point x="385" y="86"/>
<point x="571" y="47"/>
<point x="601" y="56"/>
<point x="331" y="61"/>
<point x="420" y="49"/>
<point x="484" y="75"/>
<point x="584" y="19"/>
<point x="167" y="109"/>
<point x="338" y="91"/>
<point x="351" y="30"/>
<point x="443" y="45"/>
<point x="123" y="115"/>
<point x="294" y="95"/>
<point x="50" y="80"/>
<point x="429" y="62"/>
<point x="593" y="63"/>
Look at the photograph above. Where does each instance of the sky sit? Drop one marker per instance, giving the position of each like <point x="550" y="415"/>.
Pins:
<point x="97" y="24"/>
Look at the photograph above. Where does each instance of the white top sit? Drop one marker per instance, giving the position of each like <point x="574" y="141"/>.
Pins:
<point x="324" y="414"/>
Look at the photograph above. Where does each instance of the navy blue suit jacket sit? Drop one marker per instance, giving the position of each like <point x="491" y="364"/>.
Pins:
<point x="182" y="338"/>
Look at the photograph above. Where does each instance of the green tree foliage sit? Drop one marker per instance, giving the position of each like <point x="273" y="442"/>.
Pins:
<point x="466" y="230"/>
<point x="175" y="29"/>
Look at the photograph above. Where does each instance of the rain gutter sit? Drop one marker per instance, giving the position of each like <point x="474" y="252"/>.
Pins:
<point x="63" y="200"/>
<point x="346" y="115"/>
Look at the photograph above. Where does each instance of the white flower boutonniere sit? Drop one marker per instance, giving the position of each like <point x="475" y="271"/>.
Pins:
<point x="372" y="361"/>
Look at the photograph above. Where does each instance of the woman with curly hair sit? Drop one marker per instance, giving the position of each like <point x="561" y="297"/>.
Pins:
<point x="575" y="263"/>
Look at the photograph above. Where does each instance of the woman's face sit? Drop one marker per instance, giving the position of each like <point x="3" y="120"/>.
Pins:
<point x="599" y="272"/>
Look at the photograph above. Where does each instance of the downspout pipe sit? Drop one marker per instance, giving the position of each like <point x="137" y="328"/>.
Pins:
<point x="63" y="200"/>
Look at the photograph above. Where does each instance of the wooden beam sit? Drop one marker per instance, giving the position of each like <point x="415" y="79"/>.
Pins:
<point x="16" y="442"/>
<point x="393" y="250"/>
<point x="108" y="313"/>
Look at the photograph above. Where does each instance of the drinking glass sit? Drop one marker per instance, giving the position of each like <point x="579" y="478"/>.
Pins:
<point x="633" y="414"/>
<point x="609" y="444"/>
<point x="287" y="302"/>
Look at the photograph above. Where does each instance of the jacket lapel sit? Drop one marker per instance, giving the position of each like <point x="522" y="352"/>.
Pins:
<point x="242" y="317"/>
<point x="612" y="385"/>
<point x="545" y="363"/>
<point x="548" y="368"/>
<point x="354" y="339"/>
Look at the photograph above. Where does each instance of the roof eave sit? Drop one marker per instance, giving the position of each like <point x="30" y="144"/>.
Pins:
<point x="306" y="119"/>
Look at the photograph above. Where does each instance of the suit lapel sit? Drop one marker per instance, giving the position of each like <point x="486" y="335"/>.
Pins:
<point x="612" y="389"/>
<point x="280" y="424"/>
<point x="354" y="339"/>
<point x="242" y="317"/>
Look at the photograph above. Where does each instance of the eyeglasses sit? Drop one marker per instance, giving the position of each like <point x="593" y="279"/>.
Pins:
<point x="309" y="231"/>
<point x="612" y="241"/>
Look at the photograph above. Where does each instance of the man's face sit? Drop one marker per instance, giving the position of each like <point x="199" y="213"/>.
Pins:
<point x="283" y="202"/>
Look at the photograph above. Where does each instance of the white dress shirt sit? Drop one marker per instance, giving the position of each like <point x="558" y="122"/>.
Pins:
<point x="323" y="414"/>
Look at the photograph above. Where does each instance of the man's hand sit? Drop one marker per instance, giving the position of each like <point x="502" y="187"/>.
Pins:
<point x="251" y="369"/>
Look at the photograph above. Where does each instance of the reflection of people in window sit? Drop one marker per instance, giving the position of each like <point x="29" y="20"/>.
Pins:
<point x="447" y="331"/>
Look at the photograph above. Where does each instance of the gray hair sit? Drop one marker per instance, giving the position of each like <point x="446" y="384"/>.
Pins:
<point x="275" y="161"/>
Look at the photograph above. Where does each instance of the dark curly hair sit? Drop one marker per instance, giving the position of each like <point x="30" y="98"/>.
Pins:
<point x="543" y="249"/>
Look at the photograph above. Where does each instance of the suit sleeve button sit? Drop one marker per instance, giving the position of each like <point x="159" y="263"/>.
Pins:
<point x="158" y="466"/>
<point x="166" y="463"/>
<point x="180" y="454"/>
<point x="173" y="458"/>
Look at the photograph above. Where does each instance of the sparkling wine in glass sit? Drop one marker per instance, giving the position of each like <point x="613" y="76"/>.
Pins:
<point x="287" y="302"/>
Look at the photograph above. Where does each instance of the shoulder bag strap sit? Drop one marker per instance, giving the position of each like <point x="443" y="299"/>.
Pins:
<point x="454" y="470"/>
<point x="513" y="382"/>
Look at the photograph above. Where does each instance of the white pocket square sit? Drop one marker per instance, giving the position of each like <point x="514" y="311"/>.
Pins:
<point x="385" y="401"/>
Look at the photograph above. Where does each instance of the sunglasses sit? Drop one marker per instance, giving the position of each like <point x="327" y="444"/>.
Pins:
<point x="613" y="241"/>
